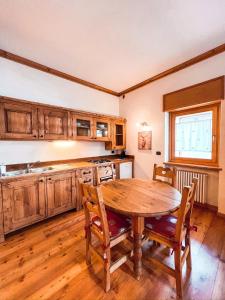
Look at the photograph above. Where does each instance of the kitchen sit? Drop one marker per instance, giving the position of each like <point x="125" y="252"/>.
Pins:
<point x="86" y="106"/>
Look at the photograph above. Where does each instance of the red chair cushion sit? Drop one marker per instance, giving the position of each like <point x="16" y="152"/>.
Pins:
<point x="164" y="225"/>
<point x="118" y="224"/>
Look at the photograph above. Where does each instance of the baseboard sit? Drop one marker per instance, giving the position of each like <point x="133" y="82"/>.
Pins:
<point x="207" y="206"/>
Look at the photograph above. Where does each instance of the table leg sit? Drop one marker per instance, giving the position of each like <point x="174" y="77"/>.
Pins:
<point x="138" y="227"/>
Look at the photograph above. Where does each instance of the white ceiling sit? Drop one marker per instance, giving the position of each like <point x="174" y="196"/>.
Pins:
<point x="113" y="43"/>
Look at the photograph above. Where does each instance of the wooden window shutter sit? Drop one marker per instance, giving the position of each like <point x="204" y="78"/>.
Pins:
<point x="204" y="92"/>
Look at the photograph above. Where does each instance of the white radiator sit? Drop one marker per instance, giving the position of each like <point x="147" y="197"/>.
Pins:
<point x="185" y="177"/>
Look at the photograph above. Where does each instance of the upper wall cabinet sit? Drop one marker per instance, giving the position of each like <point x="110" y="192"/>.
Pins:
<point x="86" y="127"/>
<point x="18" y="121"/>
<point x="53" y="124"/>
<point x="102" y="129"/>
<point x="82" y="127"/>
<point x="118" y="141"/>
<point x="24" y="120"/>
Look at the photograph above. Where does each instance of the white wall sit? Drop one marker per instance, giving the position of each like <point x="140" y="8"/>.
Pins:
<point x="26" y="83"/>
<point x="145" y="104"/>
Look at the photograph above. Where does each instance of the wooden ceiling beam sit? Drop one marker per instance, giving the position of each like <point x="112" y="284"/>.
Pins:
<point x="40" y="67"/>
<point x="177" y="68"/>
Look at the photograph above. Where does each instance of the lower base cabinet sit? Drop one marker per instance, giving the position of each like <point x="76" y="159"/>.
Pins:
<point x="60" y="193"/>
<point x="23" y="203"/>
<point x="27" y="201"/>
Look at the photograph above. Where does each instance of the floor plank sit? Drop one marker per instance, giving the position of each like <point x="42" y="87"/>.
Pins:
<point x="47" y="261"/>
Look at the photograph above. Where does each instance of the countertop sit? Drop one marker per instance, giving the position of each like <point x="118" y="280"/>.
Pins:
<point x="59" y="167"/>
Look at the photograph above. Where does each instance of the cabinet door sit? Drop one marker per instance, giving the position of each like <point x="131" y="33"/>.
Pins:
<point x="102" y="129"/>
<point x="118" y="140"/>
<point x="23" y="203"/>
<point x="1" y="218"/>
<point x="119" y="136"/>
<point x="18" y="121"/>
<point x="61" y="193"/>
<point x="53" y="124"/>
<point x="87" y="176"/>
<point x="82" y="127"/>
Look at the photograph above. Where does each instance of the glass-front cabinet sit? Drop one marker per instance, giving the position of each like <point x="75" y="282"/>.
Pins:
<point x="102" y="129"/>
<point x="90" y="128"/>
<point x="118" y="140"/>
<point x="82" y="127"/>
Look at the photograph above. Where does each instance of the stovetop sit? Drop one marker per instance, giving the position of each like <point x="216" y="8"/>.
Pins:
<point x="99" y="161"/>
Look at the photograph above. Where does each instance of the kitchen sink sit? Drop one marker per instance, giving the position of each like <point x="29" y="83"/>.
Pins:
<point x="15" y="173"/>
<point x="41" y="170"/>
<point x="30" y="171"/>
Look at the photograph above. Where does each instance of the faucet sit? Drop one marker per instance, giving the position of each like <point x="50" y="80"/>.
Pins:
<point x="30" y="165"/>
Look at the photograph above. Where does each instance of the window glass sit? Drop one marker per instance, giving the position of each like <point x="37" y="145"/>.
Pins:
<point x="193" y="135"/>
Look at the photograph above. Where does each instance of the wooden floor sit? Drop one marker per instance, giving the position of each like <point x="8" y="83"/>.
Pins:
<point x="47" y="261"/>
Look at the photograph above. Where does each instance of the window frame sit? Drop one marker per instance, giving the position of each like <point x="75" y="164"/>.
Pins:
<point x="215" y="108"/>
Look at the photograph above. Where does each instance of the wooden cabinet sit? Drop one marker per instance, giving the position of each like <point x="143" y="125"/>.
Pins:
<point x="1" y="218"/>
<point x="82" y="127"/>
<point x="61" y="193"/>
<point x="53" y="124"/>
<point x="90" y="128"/>
<point x="23" y="120"/>
<point x="23" y="203"/>
<point x="18" y="121"/>
<point x="118" y="138"/>
<point x="87" y="176"/>
<point x="102" y="129"/>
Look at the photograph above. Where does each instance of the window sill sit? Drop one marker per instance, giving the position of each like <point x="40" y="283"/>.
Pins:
<point x="204" y="167"/>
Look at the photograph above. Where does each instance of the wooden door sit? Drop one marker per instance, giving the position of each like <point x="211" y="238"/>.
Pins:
<point x="102" y="129"/>
<point x="18" y="121"/>
<point x="61" y="193"/>
<point x="23" y="202"/>
<point x="82" y="127"/>
<point x="53" y="124"/>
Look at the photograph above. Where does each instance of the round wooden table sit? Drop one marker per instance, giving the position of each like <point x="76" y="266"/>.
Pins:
<point x="138" y="199"/>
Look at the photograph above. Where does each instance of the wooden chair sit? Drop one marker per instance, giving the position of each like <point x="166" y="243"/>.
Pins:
<point x="160" y="173"/>
<point x="110" y="172"/>
<point x="171" y="231"/>
<point x="107" y="227"/>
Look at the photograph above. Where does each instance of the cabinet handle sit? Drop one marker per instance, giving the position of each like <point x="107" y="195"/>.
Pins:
<point x="41" y="180"/>
<point x="34" y="136"/>
<point x="49" y="179"/>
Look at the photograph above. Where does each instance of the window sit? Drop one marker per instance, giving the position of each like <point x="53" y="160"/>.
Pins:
<point x="194" y="135"/>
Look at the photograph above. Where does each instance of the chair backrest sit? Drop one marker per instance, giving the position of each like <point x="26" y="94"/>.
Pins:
<point x="185" y="210"/>
<point x="160" y="173"/>
<point x="106" y="170"/>
<point x="94" y="207"/>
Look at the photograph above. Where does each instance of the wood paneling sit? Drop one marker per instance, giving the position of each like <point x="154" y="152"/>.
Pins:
<point x="43" y="68"/>
<point x="176" y="68"/>
<point x="198" y="94"/>
<point x="23" y="203"/>
<point x="18" y="121"/>
<point x="61" y="193"/>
